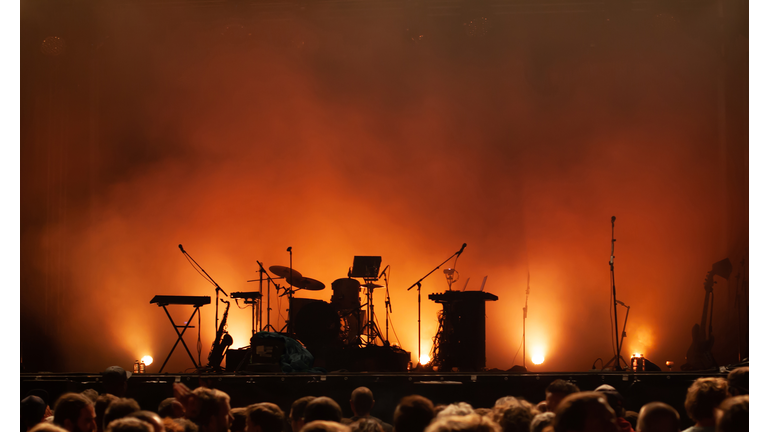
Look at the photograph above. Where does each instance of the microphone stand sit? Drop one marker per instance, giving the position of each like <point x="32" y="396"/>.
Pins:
<point x="418" y="283"/>
<point x="617" y="358"/>
<point x="290" y="293"/>
<point x="210" y="279"/>
<point x="387" y="308"/>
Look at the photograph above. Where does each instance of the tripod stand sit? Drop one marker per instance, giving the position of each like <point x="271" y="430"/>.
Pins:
<point x="370" y="329"/>
<point x="617" y="359"/>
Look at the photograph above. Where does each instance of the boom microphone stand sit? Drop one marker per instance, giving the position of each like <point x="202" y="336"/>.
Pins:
<point x="210" y="279"/>
<point x="418" y="283"/>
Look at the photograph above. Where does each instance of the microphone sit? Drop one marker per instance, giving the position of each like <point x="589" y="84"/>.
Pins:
<point x="613" y="219"/>
<point x="462" y="249"/>
<point x="383" y="271"/>
<point x="289" y="249"/>
<point x="182" y="249"/>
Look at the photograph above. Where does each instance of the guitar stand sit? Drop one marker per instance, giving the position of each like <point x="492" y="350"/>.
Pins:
<point x="181" y="335"/>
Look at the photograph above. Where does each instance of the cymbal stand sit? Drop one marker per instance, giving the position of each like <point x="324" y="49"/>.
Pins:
<point x="289" y="321"/>
<point x="263" y="272"/>
<point x="418" y="283"/>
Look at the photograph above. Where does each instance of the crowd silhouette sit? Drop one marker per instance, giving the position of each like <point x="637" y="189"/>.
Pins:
<point x="714" y="404"/>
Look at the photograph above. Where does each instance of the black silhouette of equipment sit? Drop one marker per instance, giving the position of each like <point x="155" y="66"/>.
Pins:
<point x="197" y="302"/>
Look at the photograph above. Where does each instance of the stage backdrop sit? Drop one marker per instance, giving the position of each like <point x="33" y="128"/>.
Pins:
<point x="403" y="133"/>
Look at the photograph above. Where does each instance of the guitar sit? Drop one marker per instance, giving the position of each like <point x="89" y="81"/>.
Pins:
<point x="699" y="355"/>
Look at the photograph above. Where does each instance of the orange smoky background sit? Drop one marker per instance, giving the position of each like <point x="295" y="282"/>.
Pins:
<point x="238" y="134"/>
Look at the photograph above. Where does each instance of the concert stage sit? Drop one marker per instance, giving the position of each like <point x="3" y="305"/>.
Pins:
<point x="480" y="389"/>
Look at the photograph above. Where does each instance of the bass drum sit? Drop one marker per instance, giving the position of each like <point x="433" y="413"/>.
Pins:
<point x="346" y="294"/>
<point x="316" y="323"/>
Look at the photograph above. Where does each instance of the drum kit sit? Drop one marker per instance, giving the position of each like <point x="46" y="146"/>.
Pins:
<point x="345" y="318"/>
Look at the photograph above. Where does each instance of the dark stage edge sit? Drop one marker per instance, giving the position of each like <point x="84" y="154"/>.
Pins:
<point x="480" y="389"/>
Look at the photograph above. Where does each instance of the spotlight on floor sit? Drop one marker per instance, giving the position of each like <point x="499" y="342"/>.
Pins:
<point x="424" y="359"/>
<point x="147" y="359"/>
<point x="537" y="359"/>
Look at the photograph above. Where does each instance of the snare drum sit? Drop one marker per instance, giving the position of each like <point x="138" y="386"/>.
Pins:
<point x="346" y="294"/>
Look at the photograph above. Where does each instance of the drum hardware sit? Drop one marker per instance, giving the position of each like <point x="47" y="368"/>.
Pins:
<point x="367" y="267"/>
<point x="261" y="279"/>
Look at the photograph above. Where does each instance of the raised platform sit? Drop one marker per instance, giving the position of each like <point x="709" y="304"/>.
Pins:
<point x="479" y="389"/>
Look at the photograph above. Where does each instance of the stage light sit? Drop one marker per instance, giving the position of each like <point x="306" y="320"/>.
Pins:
<point x="424" y="359"/>
<point x="537" y="359"/>
<point x="637" y="363"/>
<point x="147" y="360"/>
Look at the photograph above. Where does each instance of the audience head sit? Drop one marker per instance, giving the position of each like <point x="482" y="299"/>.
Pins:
<point x="119" y="408"/>
<point x="180" y="425"/>
<point x="366" y="424"/>
<point x="585" y="412"/>
<point x="211" y="411"/>
<point x="456" y="409"/>
<point x="297" y="412"/>
<point x="153" y="419"/>
<point x="264" y="417"/>
<point x="361" y="401"/>
<point x="32" y="411"/>
<point x="556" y="391"/>
<point x="322" y="408"/>
<point x="514" y="416"/>
<point x="129" y="424"/>
<point x="542" y="420"/>
<point x="483" y="411"/>
<point x="47" y="427"/>
<point x="463" y="423"/>
<point x="658" y="416"/>
<point x="239" y="420"/>
<point x="74" y="412"/>
<point x="170" y="407"/>
<point x="115" y="380"/>
<point x="734" y="415"/>
<point x="738" y="381"/>
<point x="91" y="394"/>
<point x="101" y="405"/>
<point x="325" y="426"/>
<point x="614" y="399"/>
<point x="704" y="395"/>
<point x="413" y="414"/>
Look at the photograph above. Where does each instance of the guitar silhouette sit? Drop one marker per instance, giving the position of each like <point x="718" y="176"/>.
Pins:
<point x="699" y="355"/>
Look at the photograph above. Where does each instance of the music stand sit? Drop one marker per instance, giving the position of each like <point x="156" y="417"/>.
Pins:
<point x="366" y="267"/>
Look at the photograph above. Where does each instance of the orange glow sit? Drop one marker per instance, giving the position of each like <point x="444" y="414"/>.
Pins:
<point x="147" y="360"/>
<point x="359" y="151"/>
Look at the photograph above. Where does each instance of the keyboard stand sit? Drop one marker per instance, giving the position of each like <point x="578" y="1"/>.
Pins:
<point x="181" y="335"/>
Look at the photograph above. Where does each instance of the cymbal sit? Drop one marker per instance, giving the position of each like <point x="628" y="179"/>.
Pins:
<point x="371" y="285"/>
<point x="285" y="272"/>
<point x="310" y="284"/>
